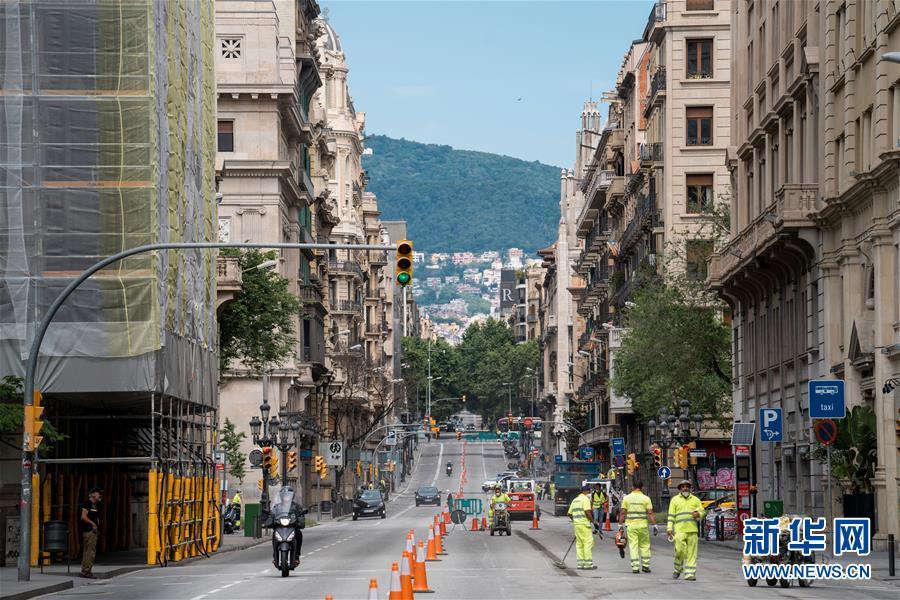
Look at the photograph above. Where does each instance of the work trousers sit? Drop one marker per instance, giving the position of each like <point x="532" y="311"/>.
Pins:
<point x="686" y="554"/>
<point x="88" y="551"/>
<point x="639" y="547"/>
<point x="584" y="545"/>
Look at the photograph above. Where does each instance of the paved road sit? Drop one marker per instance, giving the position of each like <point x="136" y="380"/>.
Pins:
<point x="341" y="557"/>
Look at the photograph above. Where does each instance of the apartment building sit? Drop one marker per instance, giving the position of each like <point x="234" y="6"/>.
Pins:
<point x="811" y="269"/>
<point x="649" y="187"/>
<point x="267" y="71"/>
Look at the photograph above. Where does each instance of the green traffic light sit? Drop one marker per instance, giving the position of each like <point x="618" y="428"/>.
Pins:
<point x="403" y="278"/>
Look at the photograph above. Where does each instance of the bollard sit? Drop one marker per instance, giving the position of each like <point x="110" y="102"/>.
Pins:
<point x="892" y="569"/>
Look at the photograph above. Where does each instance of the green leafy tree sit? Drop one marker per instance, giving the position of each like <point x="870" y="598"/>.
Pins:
<point x="676" y="347"/>
<point x="258" y="327"/>
<point x="12" y="414"/>
<point x="231" y="443"/>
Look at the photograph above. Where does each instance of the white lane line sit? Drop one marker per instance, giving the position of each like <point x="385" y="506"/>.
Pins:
<point x="200" y="597"/>
<point x="437" y="471"/>
<point x="483" y="465"/>
<point x="395" y="515"/>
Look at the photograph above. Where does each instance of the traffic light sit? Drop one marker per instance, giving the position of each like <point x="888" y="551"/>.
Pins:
<point x="267" y="460"/>
<point x="321" y="467"/>
<point x="631" y="463"/>
<point x="692" y="459"/>
<point x="32" y="423"/>
<point x="273" y="467"/>
<point x="292" y="460"/>
<point x="404" y="262"/>
<point x="657" y="457"/>
<point x="681" y="457"/>
<point x="359" y="468"/>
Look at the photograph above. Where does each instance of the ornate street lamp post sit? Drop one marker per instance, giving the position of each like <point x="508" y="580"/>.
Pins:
<point x="670" y="430"/>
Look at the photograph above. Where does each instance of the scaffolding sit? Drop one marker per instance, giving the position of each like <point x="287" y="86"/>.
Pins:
<point x="107" y="142"/>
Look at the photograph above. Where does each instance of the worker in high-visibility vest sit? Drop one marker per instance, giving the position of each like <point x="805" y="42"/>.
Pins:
<point x="598" y="499"/>
<point x="637" y="513"/>
<point x="582" y="522"/>
<point x="685" y="513"/>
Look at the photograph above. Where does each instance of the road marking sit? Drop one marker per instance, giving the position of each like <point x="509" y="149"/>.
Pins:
<point x="395" y="515"/>
<point x="483" y="465"/>
<point x="200" y="597"/>
<point x="437" y="471"/>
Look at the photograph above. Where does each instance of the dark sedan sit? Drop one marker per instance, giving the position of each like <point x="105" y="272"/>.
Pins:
<point x="368" y="504"/>
<point x="428" y="495"/>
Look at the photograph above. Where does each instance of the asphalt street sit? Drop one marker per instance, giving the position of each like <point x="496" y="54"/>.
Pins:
<point x="340" y="557"/>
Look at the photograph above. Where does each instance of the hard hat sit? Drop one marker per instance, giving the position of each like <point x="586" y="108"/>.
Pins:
<point x="497" y="487"/>
<point x="684" y="482"/>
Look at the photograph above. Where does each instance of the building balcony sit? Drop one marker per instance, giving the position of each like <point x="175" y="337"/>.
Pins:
<point x="347" y="307"/>
<point x="229" y="279"/>
<point x="656" y="22"/>
<point x="593" y="384"/>
<point x="616" y="139"/>
<point x="347" y="267"/>
<point x="305" y="182"/>
<point x="378" y="258"/>
<point x="658" y="90"/>
<point x="645" y="218"/>
<point x="652" y="153"/>
<point x="602" y="434"/>
<point x="616" y="190"/>
<point x="376" y="329"/>
<point x="310" y="294"/>
<point x="792" y="212"/>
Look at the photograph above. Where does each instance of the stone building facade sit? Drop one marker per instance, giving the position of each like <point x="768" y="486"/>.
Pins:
<point x="812" y="269"/>
<point x="267" y="71"/>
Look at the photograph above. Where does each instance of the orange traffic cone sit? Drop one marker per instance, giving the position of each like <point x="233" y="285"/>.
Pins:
<point x="329" y="597"/>
<point x="409" y="558"/>
<point x="474" y="523"/>
<point x="373" y="589"/>
<point x="412" y="540"/>
<point x="396" y="592"/>
<point x="406" y="592"/>
<point x="607" y="526"/>
<point x="443" y="527"/>
<point x="438" y="542"/>
<point x="431" y="551"/>
<point x="421" y="579"/>
<point x="534" y="521"/>
<point x="484" y="524"/>
<point x="446" y="518"/>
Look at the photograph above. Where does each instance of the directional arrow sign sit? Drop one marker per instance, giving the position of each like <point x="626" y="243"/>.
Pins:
<point x="664" y="472"/>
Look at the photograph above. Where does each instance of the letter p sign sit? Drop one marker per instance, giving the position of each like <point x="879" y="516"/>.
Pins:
<point x="770" y="429"/>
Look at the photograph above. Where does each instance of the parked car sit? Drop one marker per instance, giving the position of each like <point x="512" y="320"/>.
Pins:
<point x="368" y="504"/>
<point x="428" y="495"/>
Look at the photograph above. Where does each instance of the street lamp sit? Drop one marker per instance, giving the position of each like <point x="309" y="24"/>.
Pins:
<point x="669" y="430"/>
<point x="893" y="57"/>
<point x="509" y="398"/>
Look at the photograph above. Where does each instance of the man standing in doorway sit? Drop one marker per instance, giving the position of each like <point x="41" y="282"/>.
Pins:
<point x="90" y="524"/>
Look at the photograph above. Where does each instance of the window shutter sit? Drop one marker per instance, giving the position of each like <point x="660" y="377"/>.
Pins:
<point x="699" y="112"/>
<point x="702" y="179"/>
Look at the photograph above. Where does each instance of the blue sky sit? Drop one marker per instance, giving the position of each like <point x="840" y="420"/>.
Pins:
<point x="452" y="72"/>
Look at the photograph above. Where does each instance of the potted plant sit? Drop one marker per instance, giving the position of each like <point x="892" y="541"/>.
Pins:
<point x="853" y="460"/>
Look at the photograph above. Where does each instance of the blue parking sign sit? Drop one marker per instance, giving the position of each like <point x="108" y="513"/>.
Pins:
<point x="826" y="399"/>
<point x="618" y="446"/>
<point x="770" y="425"/>
<point x="586" y="453"/>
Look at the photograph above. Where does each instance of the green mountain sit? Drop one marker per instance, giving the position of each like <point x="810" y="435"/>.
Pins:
<point x="456" y="200"/>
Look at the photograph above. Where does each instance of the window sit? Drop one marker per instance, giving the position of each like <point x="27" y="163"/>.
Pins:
<point x="699" y="59"/>
<point x="698" y="252"/>
<point x="225" y="142"/>
<point x="701" y="5"/>
<point x="699" y="193"/>
<point x="230" y="47"/>
<point x="699" y="126"/>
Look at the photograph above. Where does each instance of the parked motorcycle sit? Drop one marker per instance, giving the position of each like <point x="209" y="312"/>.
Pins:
<point x="784" y="556"/>
<point x="231" y="517"/>
<point x="287" y="521"/>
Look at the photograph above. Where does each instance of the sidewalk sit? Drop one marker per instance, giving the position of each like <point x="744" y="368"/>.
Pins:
<point x="55" y="578"/>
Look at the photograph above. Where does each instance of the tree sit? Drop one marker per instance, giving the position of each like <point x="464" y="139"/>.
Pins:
<point x="258" y="327"/>
<point x="675" y="347"/>
<point x="12" y="414"/>
<point x="231" y="443"/>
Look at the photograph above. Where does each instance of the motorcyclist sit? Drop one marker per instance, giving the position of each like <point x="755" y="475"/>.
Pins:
<point x="499" y="496"/>
<point x="287" y="495"/>
<point x="449" y="467"/>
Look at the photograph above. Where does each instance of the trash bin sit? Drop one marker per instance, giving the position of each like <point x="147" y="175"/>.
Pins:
<point x="772" y="509"/>
<point x="252" y="525"/>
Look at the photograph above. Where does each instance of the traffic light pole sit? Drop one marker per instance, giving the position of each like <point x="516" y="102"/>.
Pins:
<point x="28" y="455"/>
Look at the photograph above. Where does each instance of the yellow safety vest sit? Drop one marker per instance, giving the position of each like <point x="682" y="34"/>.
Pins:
<point x="500" y="498"/>
<point x="597" y="499"/>
<point x="637" y="505"/>
<point x="681" y="519"/>
<point x="578" y="508"/>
